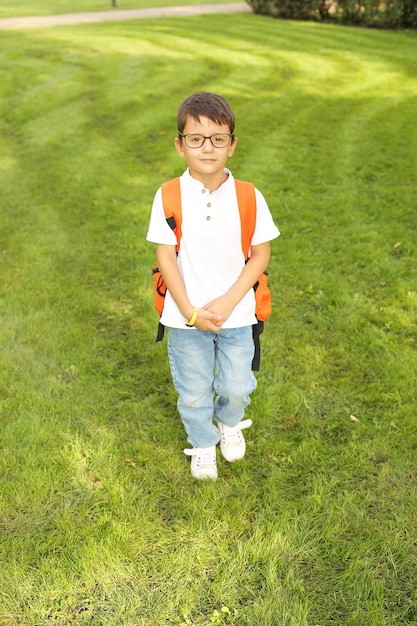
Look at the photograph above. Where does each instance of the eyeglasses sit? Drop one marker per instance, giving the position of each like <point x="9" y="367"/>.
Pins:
<point x="196" y="141"/>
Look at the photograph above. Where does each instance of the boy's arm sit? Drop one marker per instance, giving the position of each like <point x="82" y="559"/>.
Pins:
<point x="258" y="262"/>
<point x="167" y="261"/>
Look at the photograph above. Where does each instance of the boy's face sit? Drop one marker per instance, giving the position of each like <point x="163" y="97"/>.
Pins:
<point x="206" y="161"/>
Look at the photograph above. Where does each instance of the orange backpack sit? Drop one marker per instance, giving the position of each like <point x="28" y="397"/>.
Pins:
<point x="246" y="199"/>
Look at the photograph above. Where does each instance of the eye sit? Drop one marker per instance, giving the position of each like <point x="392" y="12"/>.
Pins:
<point x="195" y="139"/>
<point x="220" y="140"/>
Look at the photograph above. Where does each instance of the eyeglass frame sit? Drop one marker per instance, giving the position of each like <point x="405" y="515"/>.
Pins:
<point x="230" y="135"/>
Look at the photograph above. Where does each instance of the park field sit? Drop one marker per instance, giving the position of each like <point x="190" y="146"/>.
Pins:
<point x="101" y="522"/>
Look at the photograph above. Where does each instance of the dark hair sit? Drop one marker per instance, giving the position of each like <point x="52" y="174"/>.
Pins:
<point x="210" y="105"/>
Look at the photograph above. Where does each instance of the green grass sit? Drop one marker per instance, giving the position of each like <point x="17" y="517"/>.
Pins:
<point x="100" y="520"/>
<point x="20" y="8"/>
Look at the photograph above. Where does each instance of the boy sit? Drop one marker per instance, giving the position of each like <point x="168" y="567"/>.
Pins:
<point x="210" y="305"/>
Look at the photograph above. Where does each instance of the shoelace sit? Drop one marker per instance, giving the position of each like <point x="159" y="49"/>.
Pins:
<point x="232" y="435"/>
<point x="204" y="457"/>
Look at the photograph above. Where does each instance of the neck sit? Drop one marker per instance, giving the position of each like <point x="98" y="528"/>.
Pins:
<point x="210" y="182"/>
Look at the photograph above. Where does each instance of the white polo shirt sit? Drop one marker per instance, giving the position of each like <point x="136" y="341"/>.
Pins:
<point x="210" y="258"/>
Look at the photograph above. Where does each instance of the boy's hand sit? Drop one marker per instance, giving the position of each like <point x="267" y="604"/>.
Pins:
<point x="209" y="321"/>
<point x="222" y="306"/>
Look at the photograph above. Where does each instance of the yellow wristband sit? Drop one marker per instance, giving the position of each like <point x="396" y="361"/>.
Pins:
<point x="193" y="317"/>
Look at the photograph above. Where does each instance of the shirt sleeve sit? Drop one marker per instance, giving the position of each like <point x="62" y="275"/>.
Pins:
<point x="159" y="230"/>
<point x="265" y="229"/>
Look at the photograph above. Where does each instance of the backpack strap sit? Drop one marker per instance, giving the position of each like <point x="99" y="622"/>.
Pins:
<point x="246" y="200"/>
<point x="171" y="199"/>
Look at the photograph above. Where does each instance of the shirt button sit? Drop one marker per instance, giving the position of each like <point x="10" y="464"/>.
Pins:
<point x="208" y="218"/>
<point x="209" y="204"/>
<point x="203" y="191"/>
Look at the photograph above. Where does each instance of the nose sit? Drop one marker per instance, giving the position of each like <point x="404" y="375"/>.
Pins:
<point x="207" y="145"/>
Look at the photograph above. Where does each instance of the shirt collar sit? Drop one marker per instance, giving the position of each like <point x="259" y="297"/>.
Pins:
<point x="196" y="185"/>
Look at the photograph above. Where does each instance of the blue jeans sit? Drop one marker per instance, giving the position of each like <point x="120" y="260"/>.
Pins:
<point x="213" y="377"/>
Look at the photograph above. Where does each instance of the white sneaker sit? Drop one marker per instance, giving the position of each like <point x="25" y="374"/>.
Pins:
<point x="203" y="462"/>
<point x="232" y="442"/>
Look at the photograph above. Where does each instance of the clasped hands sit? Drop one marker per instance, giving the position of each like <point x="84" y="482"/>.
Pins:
<point x="212" y="315"/>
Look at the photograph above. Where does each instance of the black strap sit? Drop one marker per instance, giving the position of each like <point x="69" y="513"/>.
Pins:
<point x="257" y="330"/>
<point x="160" y="333"/>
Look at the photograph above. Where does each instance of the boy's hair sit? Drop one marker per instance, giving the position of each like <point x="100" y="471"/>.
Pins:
<point x="210" y="105"/>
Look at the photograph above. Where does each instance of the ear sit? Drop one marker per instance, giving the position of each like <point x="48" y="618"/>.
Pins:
<point x="178" y="145"/>
<point x="232" y="146"/>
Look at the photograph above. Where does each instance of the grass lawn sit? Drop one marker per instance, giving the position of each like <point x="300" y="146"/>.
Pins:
<point x="101" y="522"/>
<point x="18" y="8"/>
